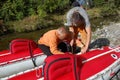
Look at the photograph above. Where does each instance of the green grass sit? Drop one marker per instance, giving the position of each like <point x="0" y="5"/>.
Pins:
<point x="94" y="12"/>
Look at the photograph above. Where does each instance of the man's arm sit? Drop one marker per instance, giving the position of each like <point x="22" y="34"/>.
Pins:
<point x="53" y="47"/>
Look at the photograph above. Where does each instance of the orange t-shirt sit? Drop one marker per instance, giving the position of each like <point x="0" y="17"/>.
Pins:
<point x="51" y="40"/>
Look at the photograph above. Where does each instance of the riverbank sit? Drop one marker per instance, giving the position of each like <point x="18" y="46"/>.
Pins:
<point x="36" y="22"/>
<point x="109" y="35"/>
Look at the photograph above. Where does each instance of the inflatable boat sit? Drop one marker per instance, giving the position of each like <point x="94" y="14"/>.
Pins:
<point x="25" y="61"/>
<point x="22" y="57"/>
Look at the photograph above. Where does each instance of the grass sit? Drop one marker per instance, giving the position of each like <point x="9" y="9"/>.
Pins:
<point x="34" y="22"/>
<point x="94" y="12"/>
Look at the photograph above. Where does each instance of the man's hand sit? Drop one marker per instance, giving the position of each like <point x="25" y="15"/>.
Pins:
<point x="83" y="50"/>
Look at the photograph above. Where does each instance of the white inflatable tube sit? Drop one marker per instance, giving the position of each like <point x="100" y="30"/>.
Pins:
<point x="20" y="66"/>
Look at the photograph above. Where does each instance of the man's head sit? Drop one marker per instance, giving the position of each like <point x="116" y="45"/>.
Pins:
<point x="75" y="4"/>
<point x="62" y="32"/>
<point x="77" y="20"/>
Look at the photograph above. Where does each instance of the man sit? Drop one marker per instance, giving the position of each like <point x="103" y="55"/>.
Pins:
<point x="52" y="40"/>
<point x="78" y="3"/>
<point x="78" y="22"/>
<point x="81" y="2"/>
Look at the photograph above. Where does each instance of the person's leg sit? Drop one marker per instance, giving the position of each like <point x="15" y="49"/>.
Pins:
<point x="77" y="50"/>
<point x="45" y="49"/>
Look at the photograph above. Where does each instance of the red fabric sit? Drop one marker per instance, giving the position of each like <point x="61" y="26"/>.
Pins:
<point x="63" y="69"/>
<point x="10" y="57"/>
<point x="20" y="48"/>
<point x="94" y="52"/>
<point x="37" y="50"/>
<point x="4" y="52"/>
<point x="68" y="76"/>
<point x="96" y="65"/>
<point x="29" y="75"/>
<point x="20" y="45"/>
<point x="60" y="67"/>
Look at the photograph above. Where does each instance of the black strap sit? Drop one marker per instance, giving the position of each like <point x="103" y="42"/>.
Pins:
<point x="33" y="59"/>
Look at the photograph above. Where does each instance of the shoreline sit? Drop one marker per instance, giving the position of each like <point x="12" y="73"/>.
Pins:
<point x="108" y="35"/>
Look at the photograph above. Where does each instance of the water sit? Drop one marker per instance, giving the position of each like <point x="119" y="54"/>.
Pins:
<point x="6" y="39"/>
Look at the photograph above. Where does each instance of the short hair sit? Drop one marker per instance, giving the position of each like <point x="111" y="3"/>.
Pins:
<point x="63" y="30"/>
<point x="77" y="19"/>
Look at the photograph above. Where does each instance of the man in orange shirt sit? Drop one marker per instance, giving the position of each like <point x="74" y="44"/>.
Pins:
<point x="51" y="40"/>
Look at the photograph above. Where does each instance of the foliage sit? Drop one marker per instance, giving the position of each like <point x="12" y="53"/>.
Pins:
<point x="98" y="3"/>
<point x="109" y="9"/>
<point x="21" y="11"/>
<point x="25" y="25"/>
<point x="117" y="3"/>
<point x="16" y="12"/>
<point x="28" y="24"/>
<point x="18" y="9"/>
<point x="53" y="5"/>
<point x="12" y="10"/>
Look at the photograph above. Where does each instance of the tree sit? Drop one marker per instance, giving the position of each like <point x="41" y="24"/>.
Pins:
<point x="12" y="10"/>
<point x="18" y="9"/>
